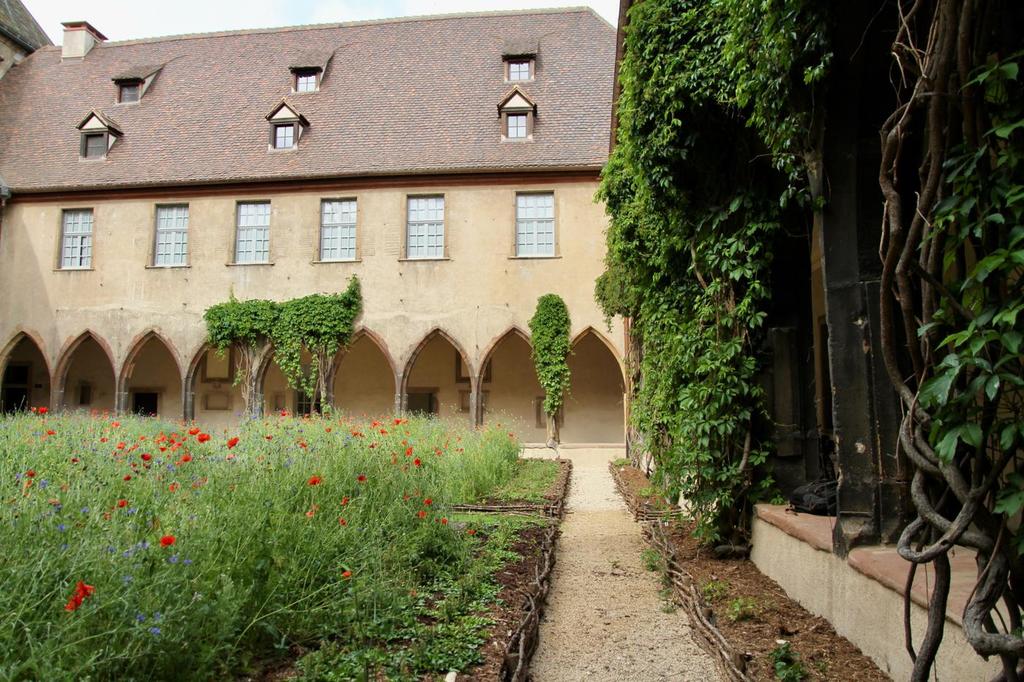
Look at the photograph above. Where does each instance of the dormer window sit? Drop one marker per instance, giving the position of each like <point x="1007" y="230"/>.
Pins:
<point x="519" y="69"/>
<point x="284" y="136"/>
<point x="286" y="127"/>
<point x="308" y="70"/>
<point x="517" y="113"/>
<point x="129" y="91"/>
<point x="97" y="135"/>
<point x="133" y="83"/>
<point x="307" y="81"/>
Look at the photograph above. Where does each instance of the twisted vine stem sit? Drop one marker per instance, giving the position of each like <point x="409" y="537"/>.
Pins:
<point x="952" y="250"/>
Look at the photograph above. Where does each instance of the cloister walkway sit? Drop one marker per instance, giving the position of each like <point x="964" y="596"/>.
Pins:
<point x="604" y="620"/>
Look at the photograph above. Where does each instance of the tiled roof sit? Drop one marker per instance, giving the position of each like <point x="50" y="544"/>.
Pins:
<point x="404" y="96"/>
<point x="19" y="24"/>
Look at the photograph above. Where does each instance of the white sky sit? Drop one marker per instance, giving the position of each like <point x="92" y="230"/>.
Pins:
<point x="125" y="20"/>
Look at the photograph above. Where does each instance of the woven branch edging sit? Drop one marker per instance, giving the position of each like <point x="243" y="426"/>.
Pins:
<point x="729" y="662"/>
<point x="642" y="510"/>
<point x="523" y="643"/>
<point x="553" y="509"/>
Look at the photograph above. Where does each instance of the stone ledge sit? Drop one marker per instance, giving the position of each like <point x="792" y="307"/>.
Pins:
<point x="816" y="531"/>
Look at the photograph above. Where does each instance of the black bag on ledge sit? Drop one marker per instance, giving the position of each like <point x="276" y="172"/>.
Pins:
<point x="817" y="497"/>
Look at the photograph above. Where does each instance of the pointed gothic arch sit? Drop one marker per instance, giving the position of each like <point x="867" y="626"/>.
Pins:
<point x="80" y="380"/>
<point x="28" y="383"/>
<point x="150" y="380"/>
<point x="446" y="384"/>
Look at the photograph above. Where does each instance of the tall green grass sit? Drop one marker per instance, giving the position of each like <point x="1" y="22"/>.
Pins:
<point x="304" y="531"/>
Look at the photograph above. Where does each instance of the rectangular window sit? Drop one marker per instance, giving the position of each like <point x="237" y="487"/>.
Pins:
<point x="94" y="145"/>
<point x="171" y="235"/>
<point x="425" y="233"/>
<point x="305" y="82"/>
<point x="128" y="92"/>
<point x="535" y="224"/>
<point x="284" y="136"/>
<point x="516" y="126"/>
<point x="252" y="236"/>
<point x="338" y="230"/>
<point x="519" y="70"/>
<point x="76" y="239"/>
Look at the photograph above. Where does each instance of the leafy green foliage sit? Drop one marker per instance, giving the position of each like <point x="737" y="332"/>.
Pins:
<point x="249" y="323"/>
<point x="715" y="121"/>
<point x="788" y="667"/>
<point x="741" y="608"/>
<point x="975" y="394"/>
<point x="531" y="482"/>
<point x="319" y="324"/>
<point x="549" y="335"/>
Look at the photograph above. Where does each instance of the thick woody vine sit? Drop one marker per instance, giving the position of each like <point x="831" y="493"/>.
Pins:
<point x="953" y="306"/>
<point x="549" y="336"/>
<point x="716" y="148"/>
<point x="318" y="324"/>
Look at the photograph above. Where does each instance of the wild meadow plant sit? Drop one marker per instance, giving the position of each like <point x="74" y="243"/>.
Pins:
<point x="138" y="549"/>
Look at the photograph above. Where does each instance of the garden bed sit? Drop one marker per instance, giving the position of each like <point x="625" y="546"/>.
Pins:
<point x="741" y="616"/>
<point x="292" y="548"/>
<point x="539" y="486"/>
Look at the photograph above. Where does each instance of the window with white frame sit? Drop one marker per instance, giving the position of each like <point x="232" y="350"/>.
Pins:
<point x="252" y="236"/>
<point x="338" y="229"/>
<point x="306" y="81"/>
<point x="535" y="224"/>
<point x="171" y="236"/>
<point x="516" y="126"/>
<point x="519" y="69"/>
<point x="425" y="232"/>
<point x="76" y="239"/>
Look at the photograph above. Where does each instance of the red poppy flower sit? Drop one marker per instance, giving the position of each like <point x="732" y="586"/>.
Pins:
<point x="444" y="522"/>
<point x="398" y="421"/>
<point x="167" y="541"/>
<point x="314" y="480"/>
<point x="173" y="487"/>
<point x="284" y="413"/>
<point x="186" y="457"/>
<point x="346" y="575"/>
<point x="344" y="501"/>
<point x="422" y="514"/>
<point x="361" y="478"/>
<point x="342" y="521"/>
<point x="115" y="424"/>
<point x="30" y="473"/>
<point x="74" y="460"/>
<point x="328" y="429"/>
<point x="120" y="446"/>
<point x="122" y="503"/>
<point x="203" y="437"/>
<point x="79" y="595"/>
<point x="127" y="477"/>
<point x="146" y="456"/>
<point x="51" y="432"/>
<point x="193" y="431"/>
<point x="43" y="410"/>
<point x="302" y="443"/>
<point x="417" y="461"/>
<point x="269" y="437"/>
<point x="428" y="501"/>
<point x="408" y="451"/>
<point x="232" y="442"/>
<point x="104" y="439"/>
<point x="471" y="531"/>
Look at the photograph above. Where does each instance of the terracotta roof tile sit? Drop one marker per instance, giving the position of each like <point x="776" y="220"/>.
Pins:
<point x="399" y="97"/>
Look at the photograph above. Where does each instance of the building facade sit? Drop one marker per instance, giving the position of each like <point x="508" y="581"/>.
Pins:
<point x="450" y="163"/>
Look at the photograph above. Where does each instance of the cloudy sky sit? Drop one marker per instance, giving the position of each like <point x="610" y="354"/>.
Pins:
<point x="127" y="19"/>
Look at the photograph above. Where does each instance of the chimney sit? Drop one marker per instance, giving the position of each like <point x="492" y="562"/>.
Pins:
<point x="79" y="38"/>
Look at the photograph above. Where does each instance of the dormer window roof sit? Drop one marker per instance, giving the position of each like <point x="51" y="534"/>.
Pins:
<point x="98" y="134"/>
<point x="132" y="83"/>
<point x="308" y="70"/>
<point x="517" y="112"/>
<point x="520" y="59"/>
<point x="286" y="126"/>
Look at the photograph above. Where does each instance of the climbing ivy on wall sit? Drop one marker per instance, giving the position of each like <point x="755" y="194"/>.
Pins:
<point x="246" y="327"/>
<point x="318" y="324"/>
<point x="549" y="336"/>
<point x="715" y="151"/>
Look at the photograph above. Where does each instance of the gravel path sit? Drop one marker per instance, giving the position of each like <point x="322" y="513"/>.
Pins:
<point x="604" y="619"/>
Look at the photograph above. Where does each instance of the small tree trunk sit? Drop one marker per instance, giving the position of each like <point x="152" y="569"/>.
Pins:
<point x="553" y="436"/>
<point x="248" y="378"/>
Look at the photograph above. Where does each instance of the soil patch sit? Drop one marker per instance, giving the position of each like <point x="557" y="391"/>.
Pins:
<point x="749" y="609"/>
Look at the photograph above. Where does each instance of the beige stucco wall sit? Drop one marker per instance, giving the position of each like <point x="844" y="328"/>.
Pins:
<point x="475" y="296"/>
<point x="513" y="390"/>
<point x="90" y="365"/>
<point x="11" y="53"/>
<point x="594" y="406"/>
<point x="365" y="383"/>
<point x="863" y="610"/>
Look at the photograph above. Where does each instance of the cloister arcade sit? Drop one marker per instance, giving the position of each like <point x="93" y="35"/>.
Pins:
<point x="439" y="377"/>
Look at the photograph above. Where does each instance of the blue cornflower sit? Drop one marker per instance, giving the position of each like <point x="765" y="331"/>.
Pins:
<point x="132" y="510"/>
<point x="85" y="510"/>
<point x="111" y="549"/>
<point x="173" y="559"/>
<point x="43" y="483"/>
<point x="158" y="616"/>
<point x="187" y="562"/>
<point x="140" y="617"/>
<point x="64" y="547"/>
<point x="62" y="528"/>
<point x="154" y="630"/>
<point x="127" y="579"/>
<point x="127" y="554"/>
